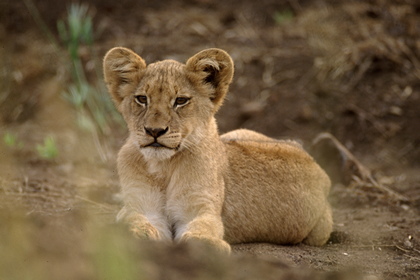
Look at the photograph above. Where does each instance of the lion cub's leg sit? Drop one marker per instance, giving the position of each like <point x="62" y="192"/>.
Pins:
<point x="207" y="229"/>
<point x="321" y="232"/>
<point x="143" y="211"/>
<point x="195" y="210"/>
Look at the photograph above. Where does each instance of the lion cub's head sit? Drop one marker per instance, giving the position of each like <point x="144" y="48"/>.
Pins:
<point x="167" y="105"/>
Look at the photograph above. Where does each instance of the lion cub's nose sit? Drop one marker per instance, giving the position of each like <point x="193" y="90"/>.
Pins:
<point x="155" y="132"/>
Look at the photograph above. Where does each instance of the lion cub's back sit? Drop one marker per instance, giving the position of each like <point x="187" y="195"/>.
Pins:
<point x="275" y="192"/>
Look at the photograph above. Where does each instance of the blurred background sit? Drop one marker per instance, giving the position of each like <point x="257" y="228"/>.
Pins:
<point x="302" y="67"/>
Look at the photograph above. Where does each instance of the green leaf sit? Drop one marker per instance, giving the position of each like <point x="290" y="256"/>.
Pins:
<point x="284" y="16"/>
<point x="48" y="149"/>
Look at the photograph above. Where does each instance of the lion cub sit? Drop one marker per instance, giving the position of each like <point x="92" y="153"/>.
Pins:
<point x="181" y="181"/>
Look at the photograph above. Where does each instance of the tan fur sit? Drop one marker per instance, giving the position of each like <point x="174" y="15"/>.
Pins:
<point x="197" y="185"/>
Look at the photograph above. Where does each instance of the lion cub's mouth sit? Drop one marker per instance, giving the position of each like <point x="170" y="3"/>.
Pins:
<point x="160" y="145"/>
<point x="156" y="144"/>
<point x="156" y="150"/>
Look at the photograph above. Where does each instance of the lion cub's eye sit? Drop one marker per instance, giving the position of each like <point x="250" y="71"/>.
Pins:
<point x="179" y="101"/>
<point x="141" y="99"/>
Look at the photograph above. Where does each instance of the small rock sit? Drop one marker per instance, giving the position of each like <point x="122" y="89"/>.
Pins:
<point x="397" y="111"/>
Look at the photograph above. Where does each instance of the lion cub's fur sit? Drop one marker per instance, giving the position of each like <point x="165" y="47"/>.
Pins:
<point x="182" y="181"/>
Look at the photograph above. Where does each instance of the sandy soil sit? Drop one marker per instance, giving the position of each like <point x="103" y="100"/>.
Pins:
<point x="302" y="68"/>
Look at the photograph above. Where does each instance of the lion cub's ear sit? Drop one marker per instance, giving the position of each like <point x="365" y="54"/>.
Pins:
<point x="123" y="70"/>
<point x="213" y="67"/>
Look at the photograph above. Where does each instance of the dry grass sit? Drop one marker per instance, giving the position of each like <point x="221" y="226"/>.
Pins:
<point x="353" y="39"/>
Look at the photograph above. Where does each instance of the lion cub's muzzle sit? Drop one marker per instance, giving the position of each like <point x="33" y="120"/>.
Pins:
<point x="160" y="138"/>
<point x="155" y="133"/>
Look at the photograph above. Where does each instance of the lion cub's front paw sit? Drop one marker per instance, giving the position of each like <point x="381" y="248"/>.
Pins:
<point x="145" y="230"/>
<point x="216" y="243"/>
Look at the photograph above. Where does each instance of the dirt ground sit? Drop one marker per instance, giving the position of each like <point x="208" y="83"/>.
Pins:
<point x="350" y="68"/>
